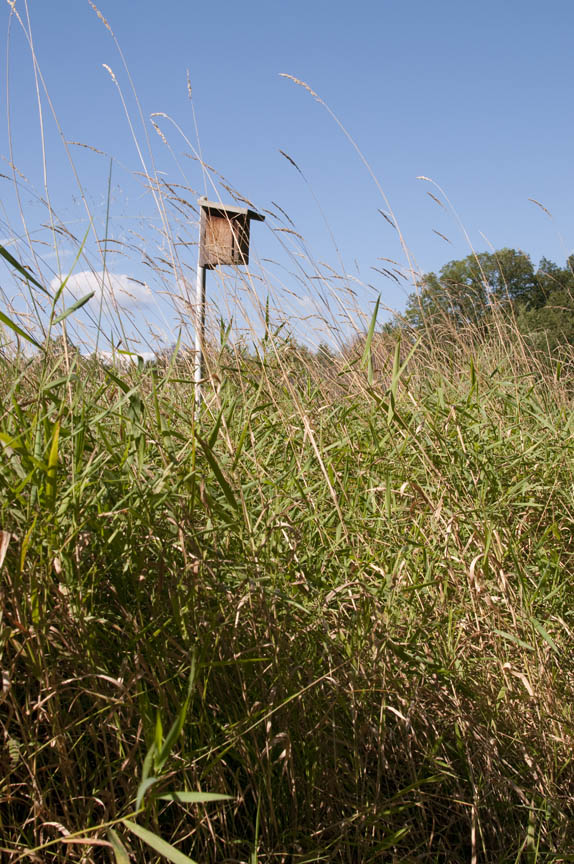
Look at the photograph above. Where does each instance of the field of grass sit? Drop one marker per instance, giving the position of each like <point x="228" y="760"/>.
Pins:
<point x="326" y="617"/>
<point x="340" y="596"/>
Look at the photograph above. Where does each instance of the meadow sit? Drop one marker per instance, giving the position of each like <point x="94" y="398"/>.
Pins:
<point x="339" y="596"/>
<point x="327" y="616"/>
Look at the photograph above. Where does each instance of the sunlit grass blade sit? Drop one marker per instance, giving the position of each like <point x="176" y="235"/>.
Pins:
<point x="52" y="474"/>
<point x="120" y="852"/>
<point x="160" y="846"/>
<point x="367" y="358"/>
<point x="18" y="330"/>
<point x="22" y="270"/>
<point x="184" y="797"/>
<point x="4" y="543"/>
<point x="143" y="788"/>
<point x="73" y="308"/>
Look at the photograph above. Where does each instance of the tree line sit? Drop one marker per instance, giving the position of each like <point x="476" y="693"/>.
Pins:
<point x="465" y="292"/>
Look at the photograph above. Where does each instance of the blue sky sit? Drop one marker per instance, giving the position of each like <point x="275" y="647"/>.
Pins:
<point x="475" y="96"/>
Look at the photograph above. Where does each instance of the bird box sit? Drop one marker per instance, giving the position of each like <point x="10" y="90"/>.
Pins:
<point x="224" y="234"/>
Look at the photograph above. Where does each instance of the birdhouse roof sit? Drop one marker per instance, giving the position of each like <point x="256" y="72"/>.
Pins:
<point x="215" y="208"/>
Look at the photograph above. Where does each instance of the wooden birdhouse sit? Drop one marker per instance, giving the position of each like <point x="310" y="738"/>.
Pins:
<point x="224" y="234"/>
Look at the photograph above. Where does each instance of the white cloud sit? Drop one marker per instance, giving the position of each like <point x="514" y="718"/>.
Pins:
<point x="125" y="360"/>
<point x="115" y="287"/>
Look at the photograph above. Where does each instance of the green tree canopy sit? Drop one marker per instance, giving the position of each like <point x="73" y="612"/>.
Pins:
<point x="464" y="289"/>
<point x="464" y="292"/>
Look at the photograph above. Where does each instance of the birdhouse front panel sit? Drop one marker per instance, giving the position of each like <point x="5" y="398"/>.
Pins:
<point x="224" y="239"/>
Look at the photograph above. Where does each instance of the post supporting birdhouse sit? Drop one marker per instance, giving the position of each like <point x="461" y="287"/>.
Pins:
<point x="223" y="241"/>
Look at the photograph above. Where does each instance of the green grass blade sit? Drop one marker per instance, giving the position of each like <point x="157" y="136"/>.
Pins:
<point x="121" y="384"/>
<point x="120" y="852"/>
<point x="215" y="430"/>
<point x="545" y="634"/>
<point x="158" y="739"/>
<point x="160" y="846"/>
<point x="143" y="788"/>
<point x="148" y="762"/>
<point x="177" y="724"/>
<point x="22" y="270"/>
<point x="51" y="479"/>
<point x="18" y="330"/>
<point x="194" y="797"/>
<point x="25" y="544"/>
<point x="254" y="856"/>
<point x="64" y="282"/>
<point x="511" y="638"/>
<point x="366" y="360"/>
<point x="226" y="488"/>
<point x="73" y="308"/>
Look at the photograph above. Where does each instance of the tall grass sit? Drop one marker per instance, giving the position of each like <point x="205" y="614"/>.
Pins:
<point x="326" y="618"/>
<point x="373" y="578"/>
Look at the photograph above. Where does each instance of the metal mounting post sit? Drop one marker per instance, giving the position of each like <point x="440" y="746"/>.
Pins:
<point x="199" y="330"/>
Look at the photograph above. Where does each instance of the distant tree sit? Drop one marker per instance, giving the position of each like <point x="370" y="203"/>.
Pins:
<point x="464" y="289"/>
<point x="548" y="321"/>
<point x="550" y="326"/>
<point x="509" y="275"/>
<point x="446" y="297"/>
